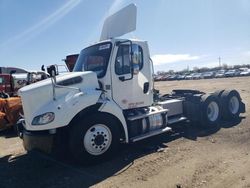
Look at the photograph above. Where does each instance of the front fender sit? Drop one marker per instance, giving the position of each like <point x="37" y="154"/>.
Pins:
<point x="111" y="107"/>
<point x="65" y="108"/>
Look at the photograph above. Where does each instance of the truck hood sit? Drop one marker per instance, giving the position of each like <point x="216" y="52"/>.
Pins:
<point x="38" y="98"/>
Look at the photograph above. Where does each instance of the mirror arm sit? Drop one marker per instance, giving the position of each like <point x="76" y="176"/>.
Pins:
<point x="53" y="80"/>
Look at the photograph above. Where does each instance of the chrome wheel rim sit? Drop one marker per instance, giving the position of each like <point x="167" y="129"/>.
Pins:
<point x="234" y="105"/>
<point x="97" y="139"/>
<point x="213" y="111"/>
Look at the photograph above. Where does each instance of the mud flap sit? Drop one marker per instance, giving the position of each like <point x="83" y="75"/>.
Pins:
<point x="242" y="107"/>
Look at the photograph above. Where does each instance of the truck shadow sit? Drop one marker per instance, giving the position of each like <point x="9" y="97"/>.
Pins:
<point x="8" y="133"/>
<point x="39" y="170"/>
<point x="193" y="131"/>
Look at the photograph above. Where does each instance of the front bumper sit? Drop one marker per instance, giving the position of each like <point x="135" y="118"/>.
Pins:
<point x="40" y="140"/>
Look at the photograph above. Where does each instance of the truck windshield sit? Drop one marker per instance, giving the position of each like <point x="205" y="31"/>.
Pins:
<point x="94" y="58"/>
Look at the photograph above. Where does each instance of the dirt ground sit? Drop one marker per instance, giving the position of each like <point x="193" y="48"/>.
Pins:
<point x="187" y="157"/>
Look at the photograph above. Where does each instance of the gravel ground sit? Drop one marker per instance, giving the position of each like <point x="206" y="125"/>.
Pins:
<point x="188" y="157"/>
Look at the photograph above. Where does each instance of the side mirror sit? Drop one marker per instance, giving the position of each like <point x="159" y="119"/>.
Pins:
<point x="135" y="63"/>
<point x="51" y="70"/>
<point x="29" y="78"/>
<point x="136" y="69"/>
<point x="42" y="68"/>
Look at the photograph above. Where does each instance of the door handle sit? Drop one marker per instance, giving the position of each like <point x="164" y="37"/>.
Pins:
<point x="145" y="87"/>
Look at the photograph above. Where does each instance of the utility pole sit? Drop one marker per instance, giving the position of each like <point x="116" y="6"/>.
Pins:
<point x="219" y="61"/>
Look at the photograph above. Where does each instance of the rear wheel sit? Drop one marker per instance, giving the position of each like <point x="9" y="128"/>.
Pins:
<point x="210" y="111"/>
<point x="93" y="139"/>
<point x="231" y="102"/>
<point x="218" y="93"/>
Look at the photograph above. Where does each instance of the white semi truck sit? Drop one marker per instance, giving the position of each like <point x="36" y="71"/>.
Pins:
<point x="109" y="99"/>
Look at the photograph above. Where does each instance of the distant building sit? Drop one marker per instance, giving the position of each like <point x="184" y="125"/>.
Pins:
<point x="7" y="70"/>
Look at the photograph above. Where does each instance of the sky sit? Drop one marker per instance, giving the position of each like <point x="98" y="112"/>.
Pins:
<point x="181" y="34"/>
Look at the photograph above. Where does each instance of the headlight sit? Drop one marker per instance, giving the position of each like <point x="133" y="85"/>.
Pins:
<point x="44" y="119"/>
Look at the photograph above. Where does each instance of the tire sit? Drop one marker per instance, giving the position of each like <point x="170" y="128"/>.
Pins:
<point x="231" y="104"/>
<point x="218" y="93"/>
<point x="93" y="139"/>
<point x="210" y="111"/>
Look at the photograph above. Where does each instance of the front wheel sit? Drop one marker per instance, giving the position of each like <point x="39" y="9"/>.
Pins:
<point x="97" y="139"/>
<point x="93" y="139"/>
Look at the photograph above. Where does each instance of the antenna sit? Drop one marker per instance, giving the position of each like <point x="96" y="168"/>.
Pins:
<point x="120" y="23"/>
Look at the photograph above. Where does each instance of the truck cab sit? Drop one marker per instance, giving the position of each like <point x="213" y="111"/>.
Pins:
<point x="123" y="69"/>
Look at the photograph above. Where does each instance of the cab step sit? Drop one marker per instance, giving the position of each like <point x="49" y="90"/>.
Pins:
<point x="151" y="133"/>
<point x="172" y="120"/>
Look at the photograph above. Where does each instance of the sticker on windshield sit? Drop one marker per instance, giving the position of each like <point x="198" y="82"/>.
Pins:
<point x="105" y="46"/>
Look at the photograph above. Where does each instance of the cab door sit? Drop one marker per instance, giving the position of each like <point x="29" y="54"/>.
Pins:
<point x="131" y="77"/>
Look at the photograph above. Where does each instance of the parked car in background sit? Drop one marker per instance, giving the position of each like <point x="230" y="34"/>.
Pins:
<point x="181" y="77"/>
<point x="245" y="72"/>
<point x="197" y="76"/>
<point x="237" y="72"/>
<point x="220" y="74"/>
<point x="208" y="75"/>
<point x="189" y="76"/>
<point x="165" y="77"/>
<point x="157" y="78"/>
<point x="230" y="73"/>
<point x="161" y="78"/>
<point x="172" y="77"/>
<point x="204" y="75"/>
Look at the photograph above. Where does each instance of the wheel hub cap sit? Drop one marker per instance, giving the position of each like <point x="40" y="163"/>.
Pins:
<point x="234" y="105"/>
<point x="97" y="139"/>
<point x="213" y="111"/>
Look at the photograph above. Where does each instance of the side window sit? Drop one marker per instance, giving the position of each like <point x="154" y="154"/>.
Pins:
<point x="122" y="63"/>
<point x="137" y="51"/>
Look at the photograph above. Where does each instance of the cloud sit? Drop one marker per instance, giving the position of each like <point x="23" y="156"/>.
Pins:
<point x="246" y="53"/>
<point x="43" y="24"/>
<point x="172" y="58"/>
